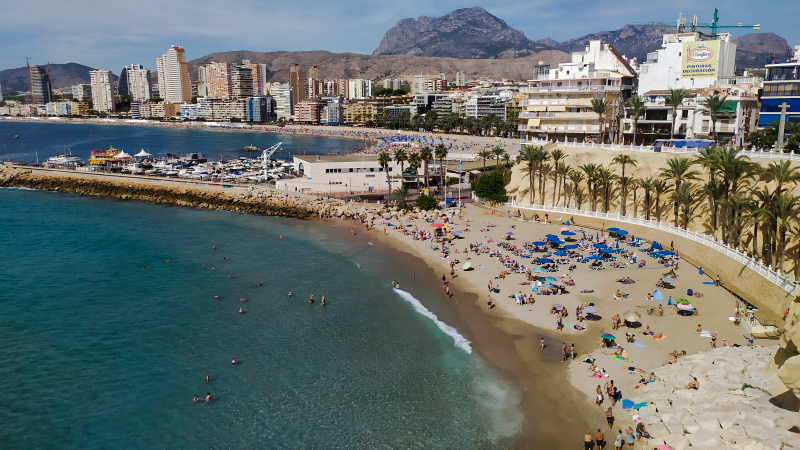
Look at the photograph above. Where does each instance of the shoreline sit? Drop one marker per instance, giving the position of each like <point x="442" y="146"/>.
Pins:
<point x="508" y="338"/>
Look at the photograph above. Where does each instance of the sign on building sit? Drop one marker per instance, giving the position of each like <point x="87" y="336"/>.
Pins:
<point x="700" y="59"/>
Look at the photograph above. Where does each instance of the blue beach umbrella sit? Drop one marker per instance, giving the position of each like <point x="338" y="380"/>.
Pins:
<point x="595" y="257"/>
<point x="545" y="260"/>
<point x="560" y="253"/>
<point x="621" y="232"/>
<point x="607" y="250"/>
<point x="658" y="295"/>
<point x="668" y="280"/>
<point x="551" y="236"/>
<point x="558" y="241"/>
<point x="550" y="279"/>
<point x="570" y="247"/>
<point x="599" y="245"/>
<point x="612" y="229"/>
<point x="538" y="270"/>
<point x="568" y="233"/>
<point x="539" y="243"/>
<point x="667" y="253"/>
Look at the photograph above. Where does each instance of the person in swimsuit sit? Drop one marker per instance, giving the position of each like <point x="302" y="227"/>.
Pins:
<point x="290" y="294"/>
<point x="693" y="384"/>
<point x="208" y="377"/>
<point x="234" y="361"/>
<point x="610" y="417"/>
<point x="600" y="440"/>
<point x="311" y="299"/>
<point x="599" y="399"/>
<point x="195" y="399"/>
<point x="241" y="311"/>
<point x="541" y="343"/>
<point x="208" y="397"/>
<point x="587" y="441"/>
<point x="323" y="300"/>
<point x="714" y="340"/>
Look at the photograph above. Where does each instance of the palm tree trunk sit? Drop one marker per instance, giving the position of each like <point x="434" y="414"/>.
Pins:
<point x="782" y="247"/>
<point x="555" y="184"/>
<point x="635" y="124"/>
<point x="755" y="240"/>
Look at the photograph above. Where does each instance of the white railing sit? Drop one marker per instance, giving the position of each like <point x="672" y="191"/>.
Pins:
<point x="772" y="275"/>
<point x="677" y="150"/>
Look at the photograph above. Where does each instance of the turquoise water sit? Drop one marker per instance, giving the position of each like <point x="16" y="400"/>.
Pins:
<point x="50" y="139"/>
<point x="97" y="352"/>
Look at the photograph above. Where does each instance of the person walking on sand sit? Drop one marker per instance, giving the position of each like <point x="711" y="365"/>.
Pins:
<point x="572" y="351"/>
<point x="619" y="441"/>
<point x="714" y="340"/>
<point x="610" y="417"/>
<point x="563" y="351"/>
<point x="447" y="291"/>
<point x="599" y="400"/>
<point x="600" y="440"/>
<point x="588" y="443"/>
<point x="489" y="303"/>
<point x="541" y="343"/>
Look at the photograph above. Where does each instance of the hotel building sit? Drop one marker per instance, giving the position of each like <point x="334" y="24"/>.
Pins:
<point x="102" y="83"/>
<point x="174" y="85"/>
<point x="781" y="85"/>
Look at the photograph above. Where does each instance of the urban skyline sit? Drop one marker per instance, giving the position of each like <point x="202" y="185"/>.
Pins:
<point x="61" y="34"/>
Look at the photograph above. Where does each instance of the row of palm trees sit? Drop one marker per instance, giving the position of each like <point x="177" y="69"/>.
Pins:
<point x="415" y="159"/>
<point x="729" y="189"/>
<point x="488" y="125"/>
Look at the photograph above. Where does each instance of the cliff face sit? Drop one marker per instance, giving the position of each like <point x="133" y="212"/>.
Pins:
<point x="464" y="33"/>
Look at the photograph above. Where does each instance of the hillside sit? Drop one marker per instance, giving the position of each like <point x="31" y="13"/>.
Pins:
<point x="61" y="75"/>
<point x="351" y="65"/>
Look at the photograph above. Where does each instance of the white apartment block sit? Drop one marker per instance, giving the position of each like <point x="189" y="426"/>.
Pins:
<point x="418" y="86"/>
<point x="102" y="83"/>
<point x="461" y="79"/>
<point x="82" y="92"/>
<point x="358" y="89"/>
<point x="685" y="61"/>
<point x="283" y="96"/>
<point x="59" y="108"/>
<point x="139" y="84"/>
<point x="174" y="85"/>
<point x="217" y="109"/>
<point x="202" y="90"/>
<point x="391" y="83"/>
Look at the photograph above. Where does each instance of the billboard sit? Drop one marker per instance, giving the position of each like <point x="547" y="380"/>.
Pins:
<point x="700" y="59"/>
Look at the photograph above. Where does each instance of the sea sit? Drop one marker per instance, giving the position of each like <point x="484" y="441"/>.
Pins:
<point x="113" y="312"/>
<point x="41" y="140"/>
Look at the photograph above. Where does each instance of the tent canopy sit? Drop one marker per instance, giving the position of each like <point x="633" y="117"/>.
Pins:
<point x="142" y="154"/>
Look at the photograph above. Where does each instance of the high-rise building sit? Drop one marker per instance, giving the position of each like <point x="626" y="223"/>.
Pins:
<point x="41" y="91"/>
<point x="218" y="80"/>
<point x="259" y="108"/>
<point x="391" y="83"/>
<point x="284" y="101"/>
<point x="202" y="90"/>
<point x="313" y="72"/>
<point x="297" y="82"/>
<point x="461" y="79"/>
<point x="260" y="74"/>
<point x="82" y="92"/>
<point x="241" y="82"/>
<point x="781" y="87"/>
<point x="358" y="89"/>
<point x="418" y="87"/>
<point x="136" y="81"/>
<point x="1" y="93"/>
<point x="174" y="85"/>
<point x="102" y="83"/>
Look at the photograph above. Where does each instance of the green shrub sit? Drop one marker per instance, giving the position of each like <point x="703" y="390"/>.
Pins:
<point x="426" y="202"/>
<point x="371" y="197"/>
<point x="490" y="186"/>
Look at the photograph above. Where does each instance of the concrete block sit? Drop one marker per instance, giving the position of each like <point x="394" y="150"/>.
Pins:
<point x="691" y="426"/>
<point x="674" y="427"/>
<point x="705" y="439"/>
<point x="676" y="442"/>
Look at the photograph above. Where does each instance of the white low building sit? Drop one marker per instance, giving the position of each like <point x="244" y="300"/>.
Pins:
<point x="322" y="174"/>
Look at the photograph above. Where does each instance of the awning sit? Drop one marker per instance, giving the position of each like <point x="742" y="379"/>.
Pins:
<point x="557" y="108"/>
<point x="534" y="122"/>
<point x="537" y="108"/>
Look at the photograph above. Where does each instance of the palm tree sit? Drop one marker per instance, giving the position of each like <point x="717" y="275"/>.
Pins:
<point x="415" y="162"/>
<point x="575" y="177"/>
<point x="590" y="170"/>
<point x="402" y="194"/>
<point x="506" y="158"/>
<point x="384" y="159"/>
<point x="759" y="214"/>
<point x="736" y="170"/>
<point x="484" y="155"/>
<point x="737" y="204"/>
<point x="622" y="161"/>
<point x="782" y="173"/>
<point x="660" y="187"/>
<point x="541" y="157"/>
<point x="605" y="177"/>
<point x="626" y="183"/>
<point x="528" y="154"/>
<point x="557" y="155"/>
<point x="716" y="106"/>
<point x="634" y="187"/>
<point x="714" y="190"/>
<point x="679" y="170"/>
<point x="441" y="153"/>
<point x="497" y="151"/>
<point x="709" y="159"/>
<point x="686" y="199"/>
<point x="675" y="100"/>
<point x="637" y="107"/>
<point x="648" y="187"/>
<point x="400" y="157"/>
<point x="426" y="156"/>
<point x="563" y="172"/>
<point x="787" y="212"/>
<point x="601" y="107"/>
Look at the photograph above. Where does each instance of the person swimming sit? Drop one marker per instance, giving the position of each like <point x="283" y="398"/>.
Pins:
<point x="323" y="301"/>
<point x="241" y="311"/>
<point x="311" y="299"/>
<point x="195" y="399"/>
<point x="208" y="397"/>
<point x="242" y="299"/>
<point x="234" y="361"/>
<point x="216" y="297"/>
<point x="290" y="294"/>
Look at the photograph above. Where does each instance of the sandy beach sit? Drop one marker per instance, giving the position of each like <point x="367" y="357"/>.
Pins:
<point x="570" y="409"/>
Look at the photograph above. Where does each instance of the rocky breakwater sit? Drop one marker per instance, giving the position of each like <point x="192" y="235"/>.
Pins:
<point x="734" y="407"/>
<point x="250" y="200"/>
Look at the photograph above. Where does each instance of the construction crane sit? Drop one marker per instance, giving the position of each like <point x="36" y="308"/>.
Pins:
<point x="266" y="154"/>
<point x="694" y="25"/>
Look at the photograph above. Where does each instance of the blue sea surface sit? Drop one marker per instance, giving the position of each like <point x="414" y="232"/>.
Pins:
<point x="103" y="343"/>
<point x="46" y="139"/>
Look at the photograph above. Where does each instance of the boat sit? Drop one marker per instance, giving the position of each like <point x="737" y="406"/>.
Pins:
<point x="101" y="156"/>
<point x="63" y="161"/>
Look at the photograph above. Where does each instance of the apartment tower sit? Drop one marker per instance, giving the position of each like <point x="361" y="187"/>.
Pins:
<point x="102" y="83"/>
<point x="297" y="82"/>
<point x="174" y="85"/>
<point x="41" y="91"/>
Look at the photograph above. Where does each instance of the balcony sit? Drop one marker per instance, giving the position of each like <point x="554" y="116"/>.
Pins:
<point x="573" y="88"/>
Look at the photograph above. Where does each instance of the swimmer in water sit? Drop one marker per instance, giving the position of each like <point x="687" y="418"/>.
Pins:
<point x="216" y="296"/>
<point x="414" y="276"/>
<point x="242" y="299"/>
<point x="214" y="247"/>
<point x="195" y="399"/>
<point x="281" y="235"/>
<point x="203" y="265"/>
<point x="224" y="257"/>
<point x="144" y="268"/>
<point x="240" y="311"/>
<point x="212" y="268"/>
<point x="311" y="299"/>
<point x="208" y="397"/>
<point x="208" y="376"/>
<point x="260" y="283"/>
<point x="234" y="361"/>
<point x="168" y="261"/>
<point x="290" y="294"/>
<point x="323" y="300"/>
<point x="394" y="284"/>
<point x="230" y="277"/>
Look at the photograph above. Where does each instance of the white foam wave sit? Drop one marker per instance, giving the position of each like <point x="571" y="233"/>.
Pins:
<point x="459" y="340"/>
<point x="18" y="188"/>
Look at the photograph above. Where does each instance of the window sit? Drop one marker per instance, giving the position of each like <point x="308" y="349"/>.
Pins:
<point x="350" y="170"/>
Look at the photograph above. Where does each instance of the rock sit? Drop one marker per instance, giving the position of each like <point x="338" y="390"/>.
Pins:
<point x="705" y="439"/>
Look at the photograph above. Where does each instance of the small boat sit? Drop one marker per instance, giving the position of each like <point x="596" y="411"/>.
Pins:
<point x="67" y="161"/>
<point x="16" y="136"/>
<point x="251" y="148"/>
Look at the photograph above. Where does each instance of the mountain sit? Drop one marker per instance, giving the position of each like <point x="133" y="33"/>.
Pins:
<point x="378" y="67"/>
<point x="754" y="49"/>
<point x="60" y="75"/>
<point x="470" y="33"/>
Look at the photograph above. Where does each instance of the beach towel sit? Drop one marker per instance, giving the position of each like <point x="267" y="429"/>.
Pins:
<point x="638" y="344"/>
<point x="619" y="358"/>
<point x="708" y="282"/>
<point x="627" y="404"/>
<point x="605" y="375"/>
<point x="572" y="326"/>
<point x="659" y="338"/>
<point x="639" y="405"/>
<point x="705" y="333"/>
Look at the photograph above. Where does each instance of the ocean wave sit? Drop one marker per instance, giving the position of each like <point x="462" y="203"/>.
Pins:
<point x="460" y="341"/>
<point x="14" y="188"/>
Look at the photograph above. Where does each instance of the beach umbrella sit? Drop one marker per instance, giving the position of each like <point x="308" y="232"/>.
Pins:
<point x="550" y="279"/>
<point x="608" y="336"/>
<point x="539" y="243"/>
<point x="591" y="310"/>
<point x="658" y="295"/>
<point x="617" y="245"/>
<point x="685" y="306"/>
<point x="599" y="245"/>
<point x="666" y="253"/>
<point x="551" y="236"/>
<point x="668" y="280"/>
<point x="437" y="225"/>
<point x="564" y="229"/>
<point x="607" y="250"/>
<point x="632" y="316"/>
<point x="560" y="253"/>
<point x="621" y="232"/>
<point x="545" y="260"/>
<point x="682" y="301"/>
<point x="612" y="229"/>
<point x="558" y="241"/>
<point x="538" y="270"/>
<point x="557" y="306"/>
<point x="548" y="286"/>
<point x="595" y="257"/>
<point x="571" y="246"/>
<point x="457" y="232"/>
<point x="568" y="233"/>
<point x="510" y="233"/>
<point x="467" y="265"/>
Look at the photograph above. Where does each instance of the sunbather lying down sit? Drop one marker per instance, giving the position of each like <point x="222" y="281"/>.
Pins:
<point x="626" y="280"/>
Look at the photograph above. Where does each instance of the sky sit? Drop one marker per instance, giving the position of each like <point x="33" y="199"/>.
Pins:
<point x="109" y="34"/>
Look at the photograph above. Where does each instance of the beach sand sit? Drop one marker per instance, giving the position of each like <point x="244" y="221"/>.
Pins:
<point x="559" y="399"/>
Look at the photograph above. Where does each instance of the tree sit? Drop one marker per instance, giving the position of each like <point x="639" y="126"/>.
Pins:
<point x="660" y="187"/>
<point x="402" y="194"/>
<point x="716" y="106"/>
<point x="485" y="155"/>
<point x="384" y="159"/>
<point x="528" y="155"/>
<point x="506" y="158"/>
<point x="714" y="191"/>
<point x="557" y="155"/>
<point x="426" y="202"/>
<point x="622" y="161"/>
<point x="400" y="157"/>
<point x="605" y="177"/>
<point x="563" y="172"/>
<point x="679" y="170"/>
<point x="675" y="99"/>
<point x="415" y="162"/>
<point x="637" y="107"/>
<point x="441" y="153"/>
<point x="497" y="151"/>
<point x="648" y="187"/>
<point x="787" y="212"/>
<point x="575" y="177"/>
<point x="541" y="157"/>
<point x="490" y="186"/>
<point x="590" y="170"/>
<point x="686" y="199"/>
<point x="426" y="156"/>
<point x="601" y="107"/>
